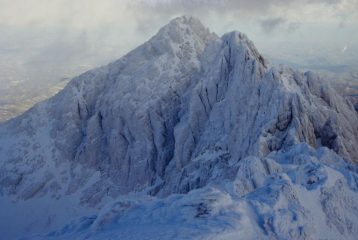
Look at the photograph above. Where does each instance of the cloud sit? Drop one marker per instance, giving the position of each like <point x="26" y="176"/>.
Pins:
<point x="269" y="25"/>
<point x="145" y="15"/>
<point x="267" y="15"/>
<point x="245" y="7"/>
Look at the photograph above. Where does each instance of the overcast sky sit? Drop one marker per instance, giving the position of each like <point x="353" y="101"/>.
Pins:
<point x="71" y="35"/>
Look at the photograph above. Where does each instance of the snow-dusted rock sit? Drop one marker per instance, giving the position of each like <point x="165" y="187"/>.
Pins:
<point x="279" y="203"/>
<point x="191" y="113"/>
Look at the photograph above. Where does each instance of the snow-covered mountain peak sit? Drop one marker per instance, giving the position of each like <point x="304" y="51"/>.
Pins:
<point x="186" y="25"/>
<point x="185" y="30"/>
<point x="235" y="37"/>
<point x="237" y="40"/>
<point x="186" y="110"/>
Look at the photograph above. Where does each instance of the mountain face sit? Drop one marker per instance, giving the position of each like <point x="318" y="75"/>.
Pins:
<point x="188" y="136"/>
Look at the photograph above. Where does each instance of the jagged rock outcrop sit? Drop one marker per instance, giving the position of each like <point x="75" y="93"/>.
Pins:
<point x="185" y="110"/>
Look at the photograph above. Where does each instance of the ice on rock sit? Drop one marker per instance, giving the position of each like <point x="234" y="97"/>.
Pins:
<point x="191" y="136"/>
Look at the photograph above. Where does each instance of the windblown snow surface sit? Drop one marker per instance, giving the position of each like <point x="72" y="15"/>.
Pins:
<point x="189" y="136"/>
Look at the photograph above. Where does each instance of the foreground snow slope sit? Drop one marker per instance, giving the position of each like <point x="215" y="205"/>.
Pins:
<point x="299" y="194"/>
<point x="227" y="143"/>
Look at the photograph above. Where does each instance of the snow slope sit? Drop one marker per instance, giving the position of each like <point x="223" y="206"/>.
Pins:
<point x="299" y="194"/>
<point x="187" y="136"/>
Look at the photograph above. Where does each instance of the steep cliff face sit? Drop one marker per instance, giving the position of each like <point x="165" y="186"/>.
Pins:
<point x="128" y="126"/>
<point x="117" y="119"/>
<point x="241" y="108"/>
<point x="185" y="110"/>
